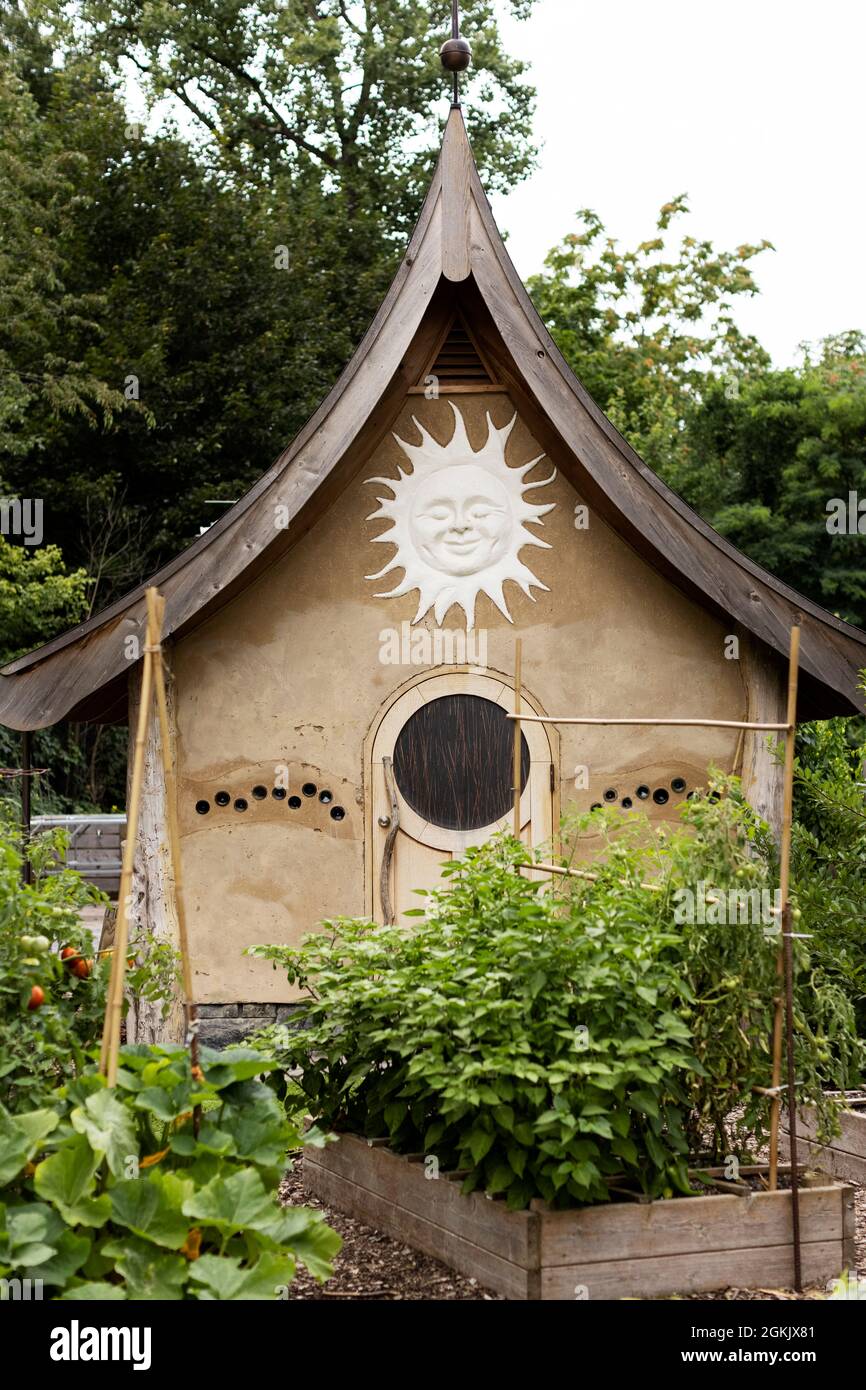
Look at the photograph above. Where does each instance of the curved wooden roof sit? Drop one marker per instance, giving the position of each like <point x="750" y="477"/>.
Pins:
<point x="456" y="256"/>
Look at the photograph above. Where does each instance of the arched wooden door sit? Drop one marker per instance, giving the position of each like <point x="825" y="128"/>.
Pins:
<point x="440" y="772"/>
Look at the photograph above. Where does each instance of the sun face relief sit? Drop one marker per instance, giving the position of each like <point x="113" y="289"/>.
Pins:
<point x="459" y="521"/>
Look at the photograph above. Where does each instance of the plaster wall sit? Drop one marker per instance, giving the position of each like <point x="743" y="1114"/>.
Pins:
<point x="282" y="686"/>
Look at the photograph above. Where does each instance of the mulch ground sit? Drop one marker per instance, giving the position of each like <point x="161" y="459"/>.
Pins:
<point x="371" y="1266"/>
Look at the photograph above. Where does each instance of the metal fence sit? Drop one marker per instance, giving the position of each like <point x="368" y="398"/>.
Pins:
<point x="94" y="846"/>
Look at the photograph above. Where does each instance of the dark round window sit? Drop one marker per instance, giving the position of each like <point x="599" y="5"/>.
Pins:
<point x="453" y="762"/>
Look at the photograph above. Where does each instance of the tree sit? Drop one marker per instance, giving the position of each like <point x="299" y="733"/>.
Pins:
<point x="645" y="330"/>
<point x="238" y="269"/>
<point x="353" y="91"/>
<point x="778" y="457"/>
<point x="45" y="320"/>
<point x="38" y="597"/>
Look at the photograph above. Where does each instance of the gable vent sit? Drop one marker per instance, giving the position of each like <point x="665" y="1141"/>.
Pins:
<point x="458" y="365"/>
<point x="458" y="361"/>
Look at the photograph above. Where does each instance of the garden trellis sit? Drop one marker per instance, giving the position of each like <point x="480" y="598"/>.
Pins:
<point x="784" y="999"/>
<point x="152" y="685"/>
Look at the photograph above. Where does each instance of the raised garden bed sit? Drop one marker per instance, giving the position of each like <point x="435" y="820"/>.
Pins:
<point x="621" y="1250"/>
<point x="844" y="1156"/>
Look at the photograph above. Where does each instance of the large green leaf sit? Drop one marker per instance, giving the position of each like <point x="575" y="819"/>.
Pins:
<point x="225" y="1279"/>
<point x="36" y="1126"/>
<point x="69" y="1255"/>
<point x="20" y="1137"/>
<point x="233" y="1203"/>
<point x="234" y="1064"/>
<point x="260" y="1134"/>
<point x="165" y="1104"/>
<point x="110" y="1127"/>
<point x="34" y="1230"/>
<point x="306" y="1234"/>
<point x="150" y="1273"/>
<point x="150" y="1208"/>
<point x="66" y="1177"/>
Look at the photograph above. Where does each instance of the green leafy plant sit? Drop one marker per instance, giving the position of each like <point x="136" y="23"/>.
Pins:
<point x="540" y="1057"/>
<point x="829" y="852"/>
<point x="46" y="1043"/>
<point x="556" y="1041"/>
<point x="111" y="1194"/>
<point x="49" y="1017"/>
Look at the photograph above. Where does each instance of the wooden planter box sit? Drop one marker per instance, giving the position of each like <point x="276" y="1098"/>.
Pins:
<point x="622" y="1250"/>
<point x="844" y="1157"/>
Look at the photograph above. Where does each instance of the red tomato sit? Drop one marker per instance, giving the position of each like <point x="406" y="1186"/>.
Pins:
<point x="37" y="998"/>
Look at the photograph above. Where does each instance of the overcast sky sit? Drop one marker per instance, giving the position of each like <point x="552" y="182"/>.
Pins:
<point x="756" y="110"/>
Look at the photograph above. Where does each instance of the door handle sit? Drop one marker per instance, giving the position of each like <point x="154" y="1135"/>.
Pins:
<point x="388" y="851"/>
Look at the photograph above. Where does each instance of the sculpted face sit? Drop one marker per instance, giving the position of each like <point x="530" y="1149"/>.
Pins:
<point x="461" y="520"/>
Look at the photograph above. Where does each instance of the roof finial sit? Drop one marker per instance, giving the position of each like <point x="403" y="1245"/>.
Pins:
<point x="455" y="52"/>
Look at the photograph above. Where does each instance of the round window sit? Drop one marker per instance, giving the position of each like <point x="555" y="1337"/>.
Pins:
<point x="453" y="762"/>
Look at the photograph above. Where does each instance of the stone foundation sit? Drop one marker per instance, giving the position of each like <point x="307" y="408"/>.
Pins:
<point x="221" y="1025"/>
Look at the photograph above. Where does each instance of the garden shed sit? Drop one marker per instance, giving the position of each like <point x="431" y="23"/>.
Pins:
<point x="341" y="643"/>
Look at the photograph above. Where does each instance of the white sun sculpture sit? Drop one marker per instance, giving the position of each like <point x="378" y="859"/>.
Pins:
<point x="459" y="521"/>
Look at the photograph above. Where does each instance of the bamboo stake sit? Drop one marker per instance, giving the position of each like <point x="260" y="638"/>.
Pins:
<point x="646" y="723"/>
<point x="586" y="874"/>
<point x="518" y="741"/>
<point x="784" y="888"/>
<point x="114" y="1004"/>
<point x="156" y="612"/>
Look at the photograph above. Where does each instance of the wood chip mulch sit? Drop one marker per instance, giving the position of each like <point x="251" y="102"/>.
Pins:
<point x="372" y="1267"/>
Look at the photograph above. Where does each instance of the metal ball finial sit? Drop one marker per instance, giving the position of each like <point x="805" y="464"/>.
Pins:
<point x="456" y="55"/>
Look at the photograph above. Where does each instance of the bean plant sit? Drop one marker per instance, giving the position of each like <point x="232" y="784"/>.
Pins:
<point x="556" y="1039"/>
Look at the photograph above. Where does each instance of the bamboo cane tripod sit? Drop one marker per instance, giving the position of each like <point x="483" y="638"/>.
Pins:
<point x="152" y="683"/>
<point x="783" y="1002"/>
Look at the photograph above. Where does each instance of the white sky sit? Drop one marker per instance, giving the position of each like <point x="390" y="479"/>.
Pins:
<point x="755" y="108"/>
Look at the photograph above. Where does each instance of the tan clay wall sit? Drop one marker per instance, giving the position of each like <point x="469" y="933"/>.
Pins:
<point x="289" y="676"/>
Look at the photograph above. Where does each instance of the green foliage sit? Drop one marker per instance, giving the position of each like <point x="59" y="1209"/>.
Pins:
<point x="324" y="149"/>
<point x="43" y="1047"/>
<point x="38" y="597"/>
<point x="547" y="1040"/>
<point x="43" y="314"/>
<point x="768" y="452"/>
<point x="468" y="1036"/>
<point x="645" y="329"/>
<point x="112" y="1194"/>
<point x="829" y="852"/>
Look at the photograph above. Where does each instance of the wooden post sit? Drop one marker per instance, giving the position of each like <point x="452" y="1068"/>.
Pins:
<point x="784" y="893"/>
<point x="114" y="1006"/>
<point x="26" y="763"/>
<point x="155" y="614"/>
<point x="153" y="905"/>
<point x="765" y="680"/>
<point x="518" y="742"/>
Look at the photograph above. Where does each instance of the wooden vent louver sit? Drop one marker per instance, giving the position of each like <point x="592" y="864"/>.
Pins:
<point x="458" y="365"/>
<point x="458" y="362"/>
